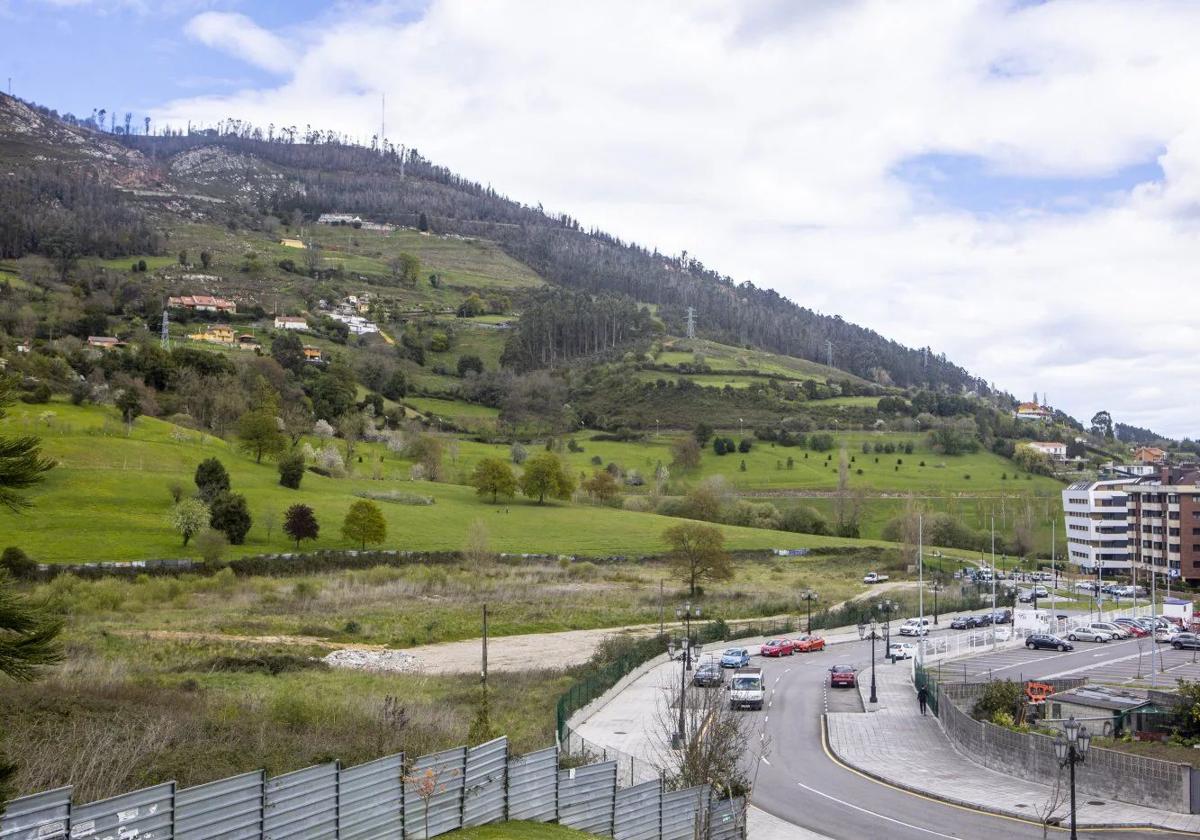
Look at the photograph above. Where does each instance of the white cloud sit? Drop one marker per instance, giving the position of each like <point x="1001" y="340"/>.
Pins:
<point x="761" y="138"/>
<point x="242" y="38"/>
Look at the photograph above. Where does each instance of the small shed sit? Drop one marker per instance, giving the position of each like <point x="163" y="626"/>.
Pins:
<point x="1105" y="710"/>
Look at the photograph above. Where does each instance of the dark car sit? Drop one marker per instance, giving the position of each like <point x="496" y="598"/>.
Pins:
<point x="1185" y="640"/>
<point x="1002" y="617"/>
<point x="963" y="622"/>
<point x="843" y="676"/>
<point x="708" y="675"/>
<point x="1044" y="641"/>
<point x="981" y="620"/>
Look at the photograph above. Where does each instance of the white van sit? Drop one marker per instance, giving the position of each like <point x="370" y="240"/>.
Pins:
<point x="915" y="627"/>
<point x="746" y="689"/>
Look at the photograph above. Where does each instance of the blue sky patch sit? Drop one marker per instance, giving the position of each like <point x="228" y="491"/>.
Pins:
<point x="968" y="182"/>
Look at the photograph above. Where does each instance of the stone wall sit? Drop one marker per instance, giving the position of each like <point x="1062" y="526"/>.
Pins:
<point x="1108" y="774"/>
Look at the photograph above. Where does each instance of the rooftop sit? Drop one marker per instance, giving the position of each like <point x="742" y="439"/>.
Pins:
<point x="1102" y="697"/>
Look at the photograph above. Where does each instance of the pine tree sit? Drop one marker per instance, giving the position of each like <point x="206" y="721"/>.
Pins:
<point x="21" y="461"/>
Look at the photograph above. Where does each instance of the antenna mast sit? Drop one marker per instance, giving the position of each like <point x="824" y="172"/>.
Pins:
<point x="691" y="322"/>
<point x="166" y="335"/>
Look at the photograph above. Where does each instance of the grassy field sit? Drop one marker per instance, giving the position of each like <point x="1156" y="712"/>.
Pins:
<point x="122" y="713"/>
<point x="766" y="465"/>
<point x="518" y="831"/>
<point x="441" y="603"/>
<point x="109" y="498"/>
<point x="725" y="357"/>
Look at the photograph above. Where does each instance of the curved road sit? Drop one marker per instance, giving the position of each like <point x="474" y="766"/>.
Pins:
<point x="800" y="782"/>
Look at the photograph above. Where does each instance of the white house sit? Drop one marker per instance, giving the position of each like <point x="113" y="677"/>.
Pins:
<point x="357" y="324"/>
<point x="1032" y="411"/>
<point x="290" y="322"/>
<point x="1053" y="450"/>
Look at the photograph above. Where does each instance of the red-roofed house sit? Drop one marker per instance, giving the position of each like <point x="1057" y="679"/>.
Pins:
<point x="202" y="303"/>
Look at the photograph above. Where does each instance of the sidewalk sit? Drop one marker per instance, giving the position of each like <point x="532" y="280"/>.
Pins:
<point x="894" y="743"/>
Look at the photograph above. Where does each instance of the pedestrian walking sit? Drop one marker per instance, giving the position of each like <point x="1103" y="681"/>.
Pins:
<point x="922" y="698"/>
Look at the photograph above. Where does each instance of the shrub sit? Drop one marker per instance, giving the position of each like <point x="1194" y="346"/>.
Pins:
<point x="212" y="479"/>
<point x="231" y="515"/>
<point x="17" y="563"/>
<point x="291" y="470"/>
<point x="999" y="696"/>
<point x="212" y="545"/>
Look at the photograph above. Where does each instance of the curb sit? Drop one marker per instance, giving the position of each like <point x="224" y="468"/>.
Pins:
<point x="973" y="806"/>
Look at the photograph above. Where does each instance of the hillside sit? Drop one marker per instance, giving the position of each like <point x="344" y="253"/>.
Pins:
<point x="233" y="177"/>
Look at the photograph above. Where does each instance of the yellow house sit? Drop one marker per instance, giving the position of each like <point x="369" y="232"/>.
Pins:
<point x="216" y="334"/>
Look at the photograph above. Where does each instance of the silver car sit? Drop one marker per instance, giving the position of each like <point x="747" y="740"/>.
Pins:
<point x="1115" y="631"/>
<point x="1086" y="633"/>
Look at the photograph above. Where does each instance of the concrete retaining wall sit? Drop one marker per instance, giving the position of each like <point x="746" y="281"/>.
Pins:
<point x="1108" y="774"/>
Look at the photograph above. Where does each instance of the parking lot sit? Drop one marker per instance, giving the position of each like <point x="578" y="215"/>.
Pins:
<point x="1127" y="662"/>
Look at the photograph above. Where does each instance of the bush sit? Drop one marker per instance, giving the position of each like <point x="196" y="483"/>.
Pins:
<point x="212" y="545"/>
<point x="998" y="697"/>
<point x="821" y="442"/>
<point x="17" y="563"/>
<point x="212" y="479"/>
<point x="291" y="470"/>
<point x="231" y="515"/>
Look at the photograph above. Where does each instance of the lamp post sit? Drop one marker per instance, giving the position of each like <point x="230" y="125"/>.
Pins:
<point x="685" y="614"/>
<point x="936" y="587"/>
<point x="873" y="630"/>
<point x="808" y="596"/>
<point x="1072" y="750"/>
<point x="887" y="606"/>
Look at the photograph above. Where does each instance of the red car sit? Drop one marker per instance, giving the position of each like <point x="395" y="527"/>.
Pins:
<point x="808" y="644"/>
<point x="778" y="647"/>
<point x="842" y="676"/>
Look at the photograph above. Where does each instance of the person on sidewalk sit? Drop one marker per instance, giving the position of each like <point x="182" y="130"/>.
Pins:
<point x="922" y="698"/>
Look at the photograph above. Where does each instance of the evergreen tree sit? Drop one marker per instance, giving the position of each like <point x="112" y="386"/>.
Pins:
<point x="231" y="515"/>
<point x="291" y="470"/>
<point x="21" y="461"/>
<point x="211" y="479"/>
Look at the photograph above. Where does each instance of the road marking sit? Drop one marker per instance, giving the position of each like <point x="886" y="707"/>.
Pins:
<point x="878" y="815"/>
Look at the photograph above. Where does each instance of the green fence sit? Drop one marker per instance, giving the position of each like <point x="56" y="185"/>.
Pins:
<point x="602" y="673"/>
<point x="926" y="679"/>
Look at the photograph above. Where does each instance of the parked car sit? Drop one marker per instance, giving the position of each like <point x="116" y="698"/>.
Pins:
<point x="808" y="644"/>
<point x="778" y="647"/>
<point x="842" y="676"/>
<point x="707" y="675"/>
<point x="1133" y="627"/>
<point x="1186" y="640"/>
<point x="874" y="577"/>
<point x="1044" y="641"/>
<point x="1166" y="634"/>
<point x="962" y="622"/>
<point x="1085" y="586"/>
<point x="1086" y="633"/>
<point x="1116" y="632"/>
<point x="902" y="650"/>
<point x="1002" y="617"/>
<point x="735" y="658"/>
<point x="915" y="627"/>
<point x="1002" y="634"/>
<point x="984" y="620"/>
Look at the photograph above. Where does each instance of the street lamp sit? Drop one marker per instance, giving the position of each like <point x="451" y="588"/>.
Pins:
<point x="685" y="614"/>
<point x="887" y="607"/>
<point x="873" y="630"/>
<point x="679" y="738"/>
<point x="1070" y="751"/>
<point x="808" y="596"/>
<point x="936" y="587"/>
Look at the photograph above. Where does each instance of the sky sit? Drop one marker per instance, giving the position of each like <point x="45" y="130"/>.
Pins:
<point x="1014" y="184"/>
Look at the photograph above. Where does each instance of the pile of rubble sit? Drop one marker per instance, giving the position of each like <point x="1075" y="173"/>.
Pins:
<point x="373" y="660"/>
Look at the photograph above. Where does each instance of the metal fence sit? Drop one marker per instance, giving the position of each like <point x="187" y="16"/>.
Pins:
<point x="387" y="799"/>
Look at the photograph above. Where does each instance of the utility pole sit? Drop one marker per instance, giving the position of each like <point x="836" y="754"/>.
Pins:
<point x="921" y="586"/>
<point x="993" y="581"/>
<point x="691" y="322"/>
<point x="483" y="672"/>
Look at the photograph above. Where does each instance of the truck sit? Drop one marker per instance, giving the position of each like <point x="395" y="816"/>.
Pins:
<point x="874" y="577"/>
<point x="746" y="689"/>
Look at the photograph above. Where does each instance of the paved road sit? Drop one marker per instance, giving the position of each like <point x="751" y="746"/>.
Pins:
<point x="799" y="782"/>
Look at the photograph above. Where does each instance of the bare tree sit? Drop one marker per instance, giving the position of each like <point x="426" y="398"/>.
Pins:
<point x="1047" y="811"/>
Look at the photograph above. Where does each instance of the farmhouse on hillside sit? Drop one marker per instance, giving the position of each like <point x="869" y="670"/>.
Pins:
<point x="202" y="303"/>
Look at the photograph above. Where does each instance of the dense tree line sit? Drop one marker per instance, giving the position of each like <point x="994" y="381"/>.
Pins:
<point x="63" y="213"/>
<point x="559" y="325"/>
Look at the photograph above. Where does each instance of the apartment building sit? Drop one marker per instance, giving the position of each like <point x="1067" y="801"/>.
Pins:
<point x="1096" y="514"/>
<point x="1164" y="521"/>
